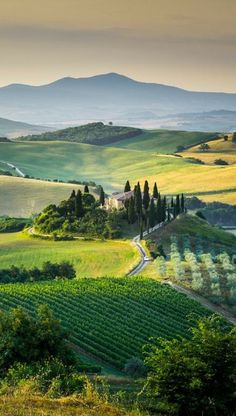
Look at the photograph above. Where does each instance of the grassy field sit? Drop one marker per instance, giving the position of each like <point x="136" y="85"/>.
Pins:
<point x="219" y="149"/>
<point x="109" y="318"/>
<point x="163" y="141"/>
<point x="196" y="228"/>
<point x="90" y="258"/>
<point x="110" y="167"/>
<point x="24" y="197"/>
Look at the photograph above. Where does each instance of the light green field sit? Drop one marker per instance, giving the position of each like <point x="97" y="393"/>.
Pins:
<point x="90" y="258"/>
<point x="24" y="197"/>
<point x="110" y="167"/>
<point x="163" y="141"/>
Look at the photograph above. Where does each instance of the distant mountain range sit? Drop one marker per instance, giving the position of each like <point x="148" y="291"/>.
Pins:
<point x="12" y="129"/>
<point x="74" y="101"/>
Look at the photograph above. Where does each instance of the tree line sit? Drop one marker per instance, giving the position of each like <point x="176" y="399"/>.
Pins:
<point x="49" y="271"/>
<point x="151" y="208"/>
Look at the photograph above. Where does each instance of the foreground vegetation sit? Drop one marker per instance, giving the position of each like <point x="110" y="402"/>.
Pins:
<point x="90" y="258"/>
<point x="109" y="318"/>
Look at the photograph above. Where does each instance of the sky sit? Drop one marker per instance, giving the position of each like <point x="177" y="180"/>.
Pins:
<point x="187" y="43"/>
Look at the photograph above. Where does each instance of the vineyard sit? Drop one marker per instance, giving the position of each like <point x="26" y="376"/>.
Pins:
<point x="109" y="318"/>
<point x="202" y="266"/>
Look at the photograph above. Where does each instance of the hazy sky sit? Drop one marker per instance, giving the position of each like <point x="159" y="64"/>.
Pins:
<point x="188" y="43"/>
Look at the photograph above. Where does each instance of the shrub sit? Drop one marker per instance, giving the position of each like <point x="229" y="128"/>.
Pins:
<point x="135" y="367"/>
<point x="220" y="162"/>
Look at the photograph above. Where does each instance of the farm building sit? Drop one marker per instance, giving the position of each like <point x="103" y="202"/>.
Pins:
<point x="117" y="200"/>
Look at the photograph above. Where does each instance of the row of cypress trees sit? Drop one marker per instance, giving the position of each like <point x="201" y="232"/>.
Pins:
<point x="151" y="208"/>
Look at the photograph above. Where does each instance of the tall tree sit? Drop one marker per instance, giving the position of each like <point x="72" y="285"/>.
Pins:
<point x="72" y="194"/>
<point x="78" y="204"/>
<point x="131" y="211"/>
<point x="152" y="214"/>
<point x="146" y="196"/>
<point x="168" y="213"/>
<point x="159" y="210"/>
<point x="155" y="191"/>
<point x="182" y="204"/>
<point x="163" y="209"/>
<point x="102" y="196"/>
<point x="177" y="205"/>
<point x="141" y="230"/>
<point x="86" y="189"/>
<point x="127" y="187"/>
<point x="138" y="201"/>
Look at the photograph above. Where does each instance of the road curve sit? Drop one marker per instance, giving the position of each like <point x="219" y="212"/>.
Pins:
<point x="10" y="165"/>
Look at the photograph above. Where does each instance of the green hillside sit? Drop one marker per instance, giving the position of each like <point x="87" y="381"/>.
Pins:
<point x="24" y="197"/>
<point x="196" y="228"/>
<point x="164" y="141"/>
<point x="111" y="319"/>
<point x="90" y="258"/>
<point x="93" y="133"/>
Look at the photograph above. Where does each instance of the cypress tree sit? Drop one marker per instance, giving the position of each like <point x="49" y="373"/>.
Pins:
<point x="146" y="196"/>
<point x="177" y="205"/>
<point x="127" y="187"/>
<point x="86" y="189"/>
<point x="78" y="204"/>
<point x="163" y="209"/>
<point x="102" y="196"/>
<point x="138" y="200"/>
<point x="155" y="191"/>
<point x="141" y="230"/>
<point x="131" y="211"/>
<point x="72" y="194"/>
<point x="152" y="214"/>
<point x="159" y="210"/>
<point x="168" y="213"/>
<point x="182" y="203"/>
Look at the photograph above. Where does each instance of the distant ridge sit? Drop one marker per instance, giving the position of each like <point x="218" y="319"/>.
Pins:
<point x="12" y="129"/>
<point x="105" y="97"/>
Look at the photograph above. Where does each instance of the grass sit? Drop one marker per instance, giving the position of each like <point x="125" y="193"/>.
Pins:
<point x="26" y="404"/>
<point x="109" y="318"/>
<point x="163" y="141"/>
<point x="90" y="258"/>
<point x="108" y="166"/>
<point x="219" y="149"/>
<point x="196" y="228"/>
<point x="24" y="197"/>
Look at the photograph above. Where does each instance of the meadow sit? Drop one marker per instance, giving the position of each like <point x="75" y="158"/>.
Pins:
<point x="90" y="258"/>
<point x="108" y="318"/>
<point x="163" y="141"/>
<point x="24" y="197"/>
<point x="108" y="166"/>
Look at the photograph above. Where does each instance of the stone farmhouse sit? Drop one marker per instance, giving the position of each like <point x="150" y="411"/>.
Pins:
<point x="117" y="200"/>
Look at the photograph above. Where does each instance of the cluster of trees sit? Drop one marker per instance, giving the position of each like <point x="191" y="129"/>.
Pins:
<point x="49" y="271"/>
<point x="151" y="208"/>
<point x="8" y="224"/>
<point x="195" y="376"/>
<point x="81" y="214"/>
<point x="36" y="350"/>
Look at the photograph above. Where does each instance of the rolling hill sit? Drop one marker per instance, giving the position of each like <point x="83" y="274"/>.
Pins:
<point x="108" y="166"/>
<point x="93" y="133"/>
<point x="104" y="97"/>
<point x="14" y="129"/>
